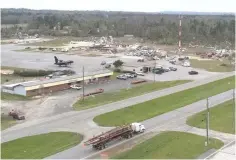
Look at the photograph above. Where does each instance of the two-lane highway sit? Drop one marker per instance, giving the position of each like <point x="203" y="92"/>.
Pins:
<point x="81" y="121"/>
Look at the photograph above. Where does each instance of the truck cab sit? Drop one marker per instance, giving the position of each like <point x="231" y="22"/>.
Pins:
<point x="137" y="127"/>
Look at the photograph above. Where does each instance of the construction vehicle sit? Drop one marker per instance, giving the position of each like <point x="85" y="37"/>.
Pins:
<point x="127" y="131"/>
<point x="15" y="115"/>
<point x="138" y="81"/>
<point x="100" y="90"/>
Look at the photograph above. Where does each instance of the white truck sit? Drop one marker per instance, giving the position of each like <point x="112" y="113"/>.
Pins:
<point x="74" y="86"/>
<point x="137" y="127"/>
<point x="127" y="131"/>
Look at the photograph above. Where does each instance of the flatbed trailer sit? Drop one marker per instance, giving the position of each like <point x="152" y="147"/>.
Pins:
<point x="99" y="142"/>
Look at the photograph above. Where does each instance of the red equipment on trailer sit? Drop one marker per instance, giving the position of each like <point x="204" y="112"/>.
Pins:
<point x="99" y="142"/>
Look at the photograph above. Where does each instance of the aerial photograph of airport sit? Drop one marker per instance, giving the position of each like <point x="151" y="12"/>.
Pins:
<point x="118" y="79"/>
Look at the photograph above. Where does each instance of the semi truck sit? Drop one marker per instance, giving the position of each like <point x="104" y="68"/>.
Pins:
<point x="99" y="142"/>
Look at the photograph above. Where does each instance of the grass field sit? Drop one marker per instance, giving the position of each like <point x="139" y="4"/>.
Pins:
<point x="171" y="145"/>
<point x="25" y="50"/>
<point x="55" y="42"/>
<point x="110" y="97"/>
<point x="221" y="118"/>
<point x="6" y="122"/>
<point x="212" y="65"/>
<point x="39" y="146"/>
<point x="13" y="97"/>
<point x="158" y="106"/>
<point x="15" y="78"/>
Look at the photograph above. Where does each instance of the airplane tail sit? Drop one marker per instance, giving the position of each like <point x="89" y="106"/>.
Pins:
<point x="56" y="59"/>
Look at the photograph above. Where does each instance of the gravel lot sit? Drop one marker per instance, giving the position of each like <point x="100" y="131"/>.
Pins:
<point x="59" y="102"/>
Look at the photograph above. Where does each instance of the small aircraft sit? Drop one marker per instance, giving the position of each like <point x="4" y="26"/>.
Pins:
<point x="62" y="63"/>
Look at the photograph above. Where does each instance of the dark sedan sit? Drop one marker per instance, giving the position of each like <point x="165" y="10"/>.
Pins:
<point x="192" y="72"/>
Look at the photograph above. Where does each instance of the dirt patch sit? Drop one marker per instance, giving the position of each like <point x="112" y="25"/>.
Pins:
<point x="200" y="59"/>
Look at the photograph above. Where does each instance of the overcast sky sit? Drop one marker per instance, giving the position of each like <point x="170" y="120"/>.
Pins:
<point x="125" y="5"/>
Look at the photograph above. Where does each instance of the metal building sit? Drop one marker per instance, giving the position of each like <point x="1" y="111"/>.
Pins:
<point x="33" y="88"/>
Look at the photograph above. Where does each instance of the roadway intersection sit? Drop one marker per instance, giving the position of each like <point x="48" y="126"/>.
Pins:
<point x="81" y="121"/>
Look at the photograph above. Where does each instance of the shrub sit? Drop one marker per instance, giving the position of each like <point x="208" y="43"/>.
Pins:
<point x="117" y="70"/>
<point x="32" y="73"/>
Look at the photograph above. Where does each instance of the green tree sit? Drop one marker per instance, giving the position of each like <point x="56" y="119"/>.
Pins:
<point x="118" y="63"/>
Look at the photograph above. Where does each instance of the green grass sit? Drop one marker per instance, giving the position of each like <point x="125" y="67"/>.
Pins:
<point x="110" y="97"/>
<point x="19" y="74"/>
<point x="171" y="145"/>
<point x="15" y="68"/>
<point x="13" y="97"/>
<point x="90" y="55"/>
<point x="54" y="43"/>
<point x="158" y="106"/>
<point x="8" y="78"/>
<point x="221" y="118"/>
<point x="25" y="50"/>
<point x="115" y="74"/>
<point x="39" y="146"/>
<point x="212" y="65"/>
<point x="7" y="122"/>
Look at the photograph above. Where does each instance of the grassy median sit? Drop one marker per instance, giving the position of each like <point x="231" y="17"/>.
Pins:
<point x="7" y="121"/>
<point x="171" y="145"/>
<point x="13" y="97"/>
<point x="39" y="146"/>
<point x="221" y="118"/>
<point x="110" y="97"/>
<point x="158" y="106"/>
<point x="212" y="65"/>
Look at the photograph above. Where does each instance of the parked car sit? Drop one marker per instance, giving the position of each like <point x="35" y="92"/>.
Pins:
<point x="173" y="69"/>
<point x="140" y="60"/>
<point x="129" y="75"/>
<point x="166" y="69"/>
<point x="103" y="63"/>
<point x="107" y="66"/>
<point x="158" y="71"/>
<point x="139" y="73"/>
<point x="123" y="77"/>
<point x="74" y="86"/>
<point x="192" y="72"/>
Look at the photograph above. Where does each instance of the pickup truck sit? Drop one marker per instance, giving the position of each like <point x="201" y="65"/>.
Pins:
<point x="74" y="86"/>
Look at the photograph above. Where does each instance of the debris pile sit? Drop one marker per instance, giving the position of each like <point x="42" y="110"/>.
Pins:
<point x="216" y="54"/>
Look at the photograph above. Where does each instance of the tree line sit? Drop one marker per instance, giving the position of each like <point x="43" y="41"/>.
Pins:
<point x="163" y="28"/>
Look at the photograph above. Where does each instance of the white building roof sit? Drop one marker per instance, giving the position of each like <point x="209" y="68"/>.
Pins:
<point x="39" y="82"/>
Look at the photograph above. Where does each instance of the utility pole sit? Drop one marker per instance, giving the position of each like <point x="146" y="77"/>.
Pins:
<point x="180" y="33"/>
<point x="83" y="83"/>
<point x="207" y="122"/>
<point x="154" y="74"/>
<point x="234" y="109"/>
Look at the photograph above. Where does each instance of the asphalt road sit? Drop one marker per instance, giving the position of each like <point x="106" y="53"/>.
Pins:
<point x="81" y="121"/>
<point x="174" y="120"/>
<point x="40" y="60"/>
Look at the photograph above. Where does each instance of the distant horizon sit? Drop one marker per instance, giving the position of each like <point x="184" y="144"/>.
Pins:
<point x="147" y="6"/>
<point x="124" y="11"/>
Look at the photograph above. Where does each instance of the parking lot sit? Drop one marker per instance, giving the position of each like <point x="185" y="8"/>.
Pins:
<point x="62" y="101"/>
<point x="182" y="72"/>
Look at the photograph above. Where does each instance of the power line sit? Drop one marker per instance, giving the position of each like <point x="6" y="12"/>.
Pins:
<point x="234" y="110"/>
<point x="207" y="121"/>
<point x="83" y="83"/>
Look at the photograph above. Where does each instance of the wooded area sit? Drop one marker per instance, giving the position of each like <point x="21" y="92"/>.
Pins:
<point x="163" y="28"/>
